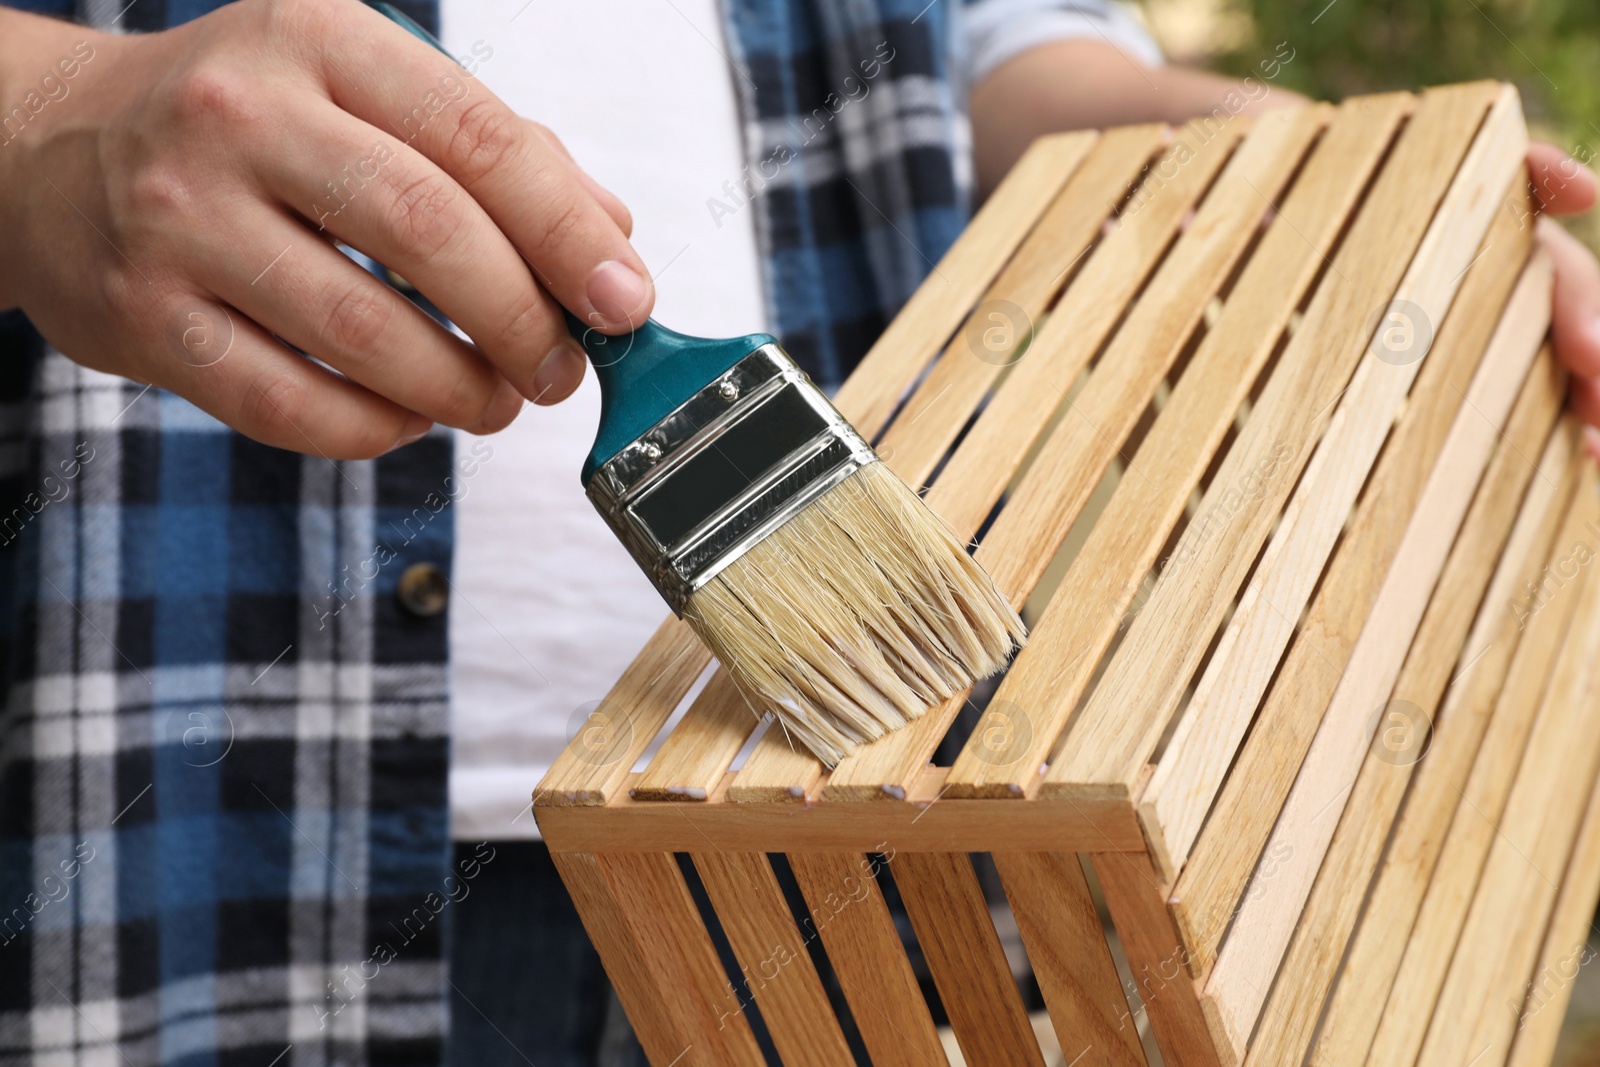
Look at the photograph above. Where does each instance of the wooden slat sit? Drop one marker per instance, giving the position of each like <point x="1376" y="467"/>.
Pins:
<point x="1077" y="327"/>
<point x="1323" y="930"/>
<point x="702" y="746"/>
<point x="1368" y="973"/>
<point x="1158" y="960"/>
<point x="778" y="972"/>
<point x="951" y="918"/>
<point x="1125" y="718"/>
<point x="1220" y="864"/>
<point x="1215" y="877"/>
<point x="935" y="414"/>
<point x="1501" y="938"/>
<point x="848" y="910"/>
<point x="1002" y="761"/>
<point x="649" y="690"/>
<point x="1232" y="685"/>
<point x="666" y="1034"/>
<point x="1157" y="326"/>
<point x="592" y="766"/>
<point x="652" y="924"/>
<point x="1041" y="510"/>
<point x="1061" y="930"/>
<point x="1305" y="827"/>
<point x="923" y="822"/>
<point x="1472" y="832"/>
<point x="693" y="758"/>
<point x="940" y="304"/>
<point x="1566" y="943"/>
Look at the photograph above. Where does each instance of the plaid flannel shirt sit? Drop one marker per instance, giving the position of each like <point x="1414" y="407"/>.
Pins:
<point x="223" y="743"/>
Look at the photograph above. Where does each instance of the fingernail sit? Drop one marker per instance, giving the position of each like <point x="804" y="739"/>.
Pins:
<point x="1591" y="441"/>
<point x="562" y="365"/>
<point x="502" y="409"/>
<point x="416" y="428"/>
<point x="618" y="293"/>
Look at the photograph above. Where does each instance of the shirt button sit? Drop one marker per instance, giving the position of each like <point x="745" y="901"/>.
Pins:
<point x="423" y="590"/>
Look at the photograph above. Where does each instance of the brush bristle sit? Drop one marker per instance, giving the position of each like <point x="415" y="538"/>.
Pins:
<point x="855" y="617"/>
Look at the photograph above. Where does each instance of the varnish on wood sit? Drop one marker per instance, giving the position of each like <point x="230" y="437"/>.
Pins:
<point x="1258" y="422"/>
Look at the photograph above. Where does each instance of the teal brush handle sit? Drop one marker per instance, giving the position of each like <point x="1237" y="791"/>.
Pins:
<point x="643" y="375"/>
<point x="407" y="23"/>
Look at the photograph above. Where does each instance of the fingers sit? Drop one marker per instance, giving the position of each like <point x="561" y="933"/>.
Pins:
<point x="1586" y="400"/>
<point x="314" y="297"/>
<point x="270" y="394"/>
<point x="607" y="199"/>
<point x="396" y="206"/>
<point x="1575" y="316"/>
<point x="1562" y="185"/>
<point x="576" y="249"/>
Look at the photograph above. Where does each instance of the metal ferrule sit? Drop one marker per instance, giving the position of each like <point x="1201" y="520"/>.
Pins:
<point x="727" y="467"/>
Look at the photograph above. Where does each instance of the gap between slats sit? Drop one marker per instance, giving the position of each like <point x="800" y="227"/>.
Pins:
<point x="1248" y="803"/>
<point x="1041" y="509"/>
<point x="601" y="755"/>
<point x="1305" y="827"/>
<point x="716" y="727"/>
<point x="1405" y="737"/>
<point x="1511" y="905"/>
<point x="1071" y="336"/>
<point x="1476" y="820"/>
<point x="1483" y="675"/>
<point x="1003" y="757"/>
<point x="1129" y="710"/>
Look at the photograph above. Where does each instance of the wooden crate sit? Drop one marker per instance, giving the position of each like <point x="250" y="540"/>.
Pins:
<point x="1258" y="420"/>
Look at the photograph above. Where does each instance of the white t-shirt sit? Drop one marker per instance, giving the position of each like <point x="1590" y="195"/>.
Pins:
<point x="548" y="608"/>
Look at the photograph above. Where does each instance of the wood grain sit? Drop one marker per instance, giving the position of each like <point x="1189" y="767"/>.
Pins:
<point x="1566" y="943"/>
<point x="1060" y="927"/>
<point x="1273" y="904"/>
<point x="1003" y="757"/>
<point x="1214" y="877"/>
<point x="1129" y="710"/>
<point x="590" y="770"/>
<point x="951" y="918"/>
<point x="699" y="750"/>
<point x="1473" y="829"/>
<point x="715" y="728"/>
<point x="990" y="339"/>
<point x="1158" y="960"/>
<point x="848" y="911"/>
<point x="1248" y="653"/>
<point x="1086" y="313"/>
<point x="1501" y="938"/>
<point x="653" y="920"/>
<point x="1323" y="930"/>
<point x="1448" y="895"/>
<point x="1043" y="506"/>
<point x="1368" y="973"/>
<point x="923" y="822"/>
<point x="777" y="970"/>
<point x="665" y="1033"/>
<point x="649" y="690"/>
<point x="941" y="303"/>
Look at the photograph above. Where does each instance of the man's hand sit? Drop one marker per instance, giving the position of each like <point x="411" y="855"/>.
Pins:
<point x="1564" y="186"/>
<point x="172" y="209"/>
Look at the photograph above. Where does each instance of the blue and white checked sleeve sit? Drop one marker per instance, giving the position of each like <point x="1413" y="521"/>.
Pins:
<point x="997" y="30"/>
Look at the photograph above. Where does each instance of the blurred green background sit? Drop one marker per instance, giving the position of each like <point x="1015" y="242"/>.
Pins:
<point x="1550" y="49"/>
